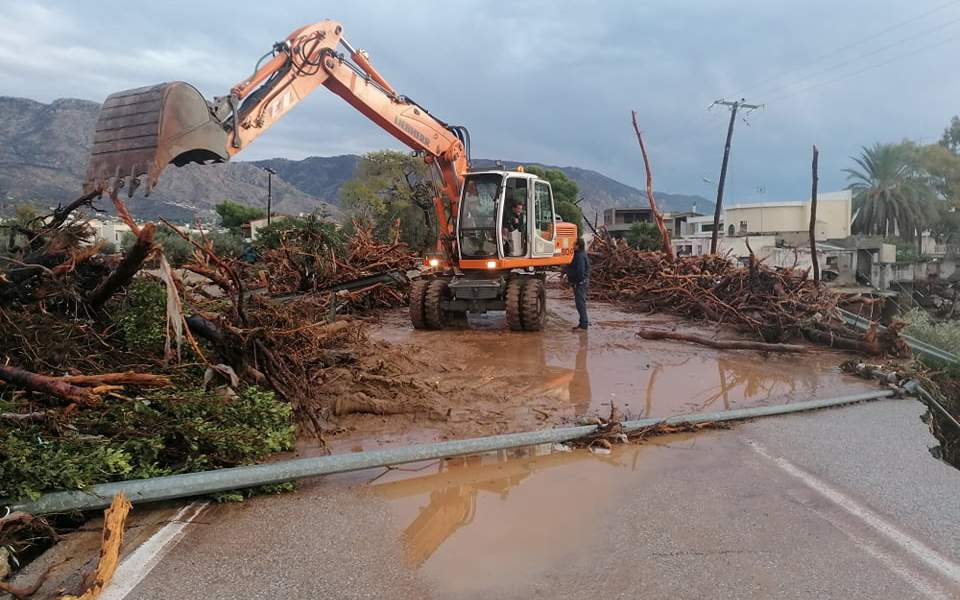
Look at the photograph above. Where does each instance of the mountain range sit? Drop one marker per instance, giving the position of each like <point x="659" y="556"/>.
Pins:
<point x="43" y="153"/>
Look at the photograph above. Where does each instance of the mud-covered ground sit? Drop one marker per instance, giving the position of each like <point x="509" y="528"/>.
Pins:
<point x="487" y="380"/>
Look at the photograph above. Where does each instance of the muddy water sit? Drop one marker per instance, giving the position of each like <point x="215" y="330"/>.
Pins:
<point x="479" y="523"/>
<point x="585" y="372"/>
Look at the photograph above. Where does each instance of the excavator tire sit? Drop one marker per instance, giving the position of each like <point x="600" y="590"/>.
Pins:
<point x="433" y="312"/>
<point x="513" y="296"/>
<point x="418" y="292"/>
<point x="534" y="307"/>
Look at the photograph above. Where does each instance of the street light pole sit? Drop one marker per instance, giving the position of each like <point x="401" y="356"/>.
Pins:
<point x="270" y="174"/>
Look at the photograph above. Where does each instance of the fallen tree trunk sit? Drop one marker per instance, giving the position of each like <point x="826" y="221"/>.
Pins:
<point x="842" y="342"/>
<point x="128" y="378"/>
<point x="54" y="386"/>
<point x="659" y="334"/>
<point x="361" y="403"/>
<point x="127" y="268"/>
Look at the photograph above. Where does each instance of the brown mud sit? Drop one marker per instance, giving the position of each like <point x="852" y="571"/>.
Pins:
<point x="488" y="380"/>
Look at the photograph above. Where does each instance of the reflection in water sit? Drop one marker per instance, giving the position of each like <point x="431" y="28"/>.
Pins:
<point x="578" y="373"/>
<point x="452" y="492"/>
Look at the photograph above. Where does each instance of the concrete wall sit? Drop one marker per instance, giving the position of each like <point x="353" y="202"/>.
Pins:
<point x="762" y="245"/>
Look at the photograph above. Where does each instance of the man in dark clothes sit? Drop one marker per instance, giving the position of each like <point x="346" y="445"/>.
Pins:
<point x="578" y="274"/>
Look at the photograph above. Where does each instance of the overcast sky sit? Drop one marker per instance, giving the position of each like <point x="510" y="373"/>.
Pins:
<point x="552" y="82"/>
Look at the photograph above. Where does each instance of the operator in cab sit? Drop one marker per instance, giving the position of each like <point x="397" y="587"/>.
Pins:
<point x="578" y="274"/>
<point x="514" y="221"/>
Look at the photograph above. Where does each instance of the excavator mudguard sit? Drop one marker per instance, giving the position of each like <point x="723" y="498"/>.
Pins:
<point x="140" y="131"/>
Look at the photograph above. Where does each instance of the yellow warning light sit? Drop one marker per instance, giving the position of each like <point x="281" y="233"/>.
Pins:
<point x="519" y="168"/>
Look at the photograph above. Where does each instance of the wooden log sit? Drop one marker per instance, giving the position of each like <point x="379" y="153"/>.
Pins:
<point x="53" y="386"/>
<point x="842" y="342"/>
<point x="127" y="268"/>
<point x="657" y="216"/>
<point x="659" y="334"/>
<point x="127" y="378"/>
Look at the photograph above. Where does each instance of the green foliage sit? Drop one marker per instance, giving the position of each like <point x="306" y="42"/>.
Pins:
<point x="226" y="244"/>
<point x="891" y="192"/>
<point x="943" y="335"/>
<point x="141" y="316"/>
<point x="315" y="239"/>
<point x="644" y="236"/>
<point x="177" y="250"/>
<point x="310" y="234"/>
<point x="162" y="433"/>
<point x="565" y="194"/>
<point x="11" y="238"/>
<point x="233" y="215"/>
<point x="951" y="136"/>
<point x="941" y="168"/>
<point x="390" y="186"/>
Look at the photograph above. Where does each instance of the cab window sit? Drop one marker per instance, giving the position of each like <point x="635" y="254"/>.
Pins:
<point x="543" y="208"/>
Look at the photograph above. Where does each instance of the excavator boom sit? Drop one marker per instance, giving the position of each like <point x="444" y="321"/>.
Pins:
<point x="140" y="131"/>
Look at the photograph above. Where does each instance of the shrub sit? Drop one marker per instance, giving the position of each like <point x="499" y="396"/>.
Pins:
<point x="161" y="433"/>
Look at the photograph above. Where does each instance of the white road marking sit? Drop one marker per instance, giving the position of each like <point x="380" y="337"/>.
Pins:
<point x="897" y="565"/>
<point x="135" y="567"/>
<point x="916" y="548"/>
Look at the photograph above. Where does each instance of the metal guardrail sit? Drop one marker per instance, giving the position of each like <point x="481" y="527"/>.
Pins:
<point x="918" y="346"/>
<point x="208" y="482"/>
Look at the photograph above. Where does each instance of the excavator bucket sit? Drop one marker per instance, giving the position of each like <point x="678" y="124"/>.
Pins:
<point x="140" y="131"/>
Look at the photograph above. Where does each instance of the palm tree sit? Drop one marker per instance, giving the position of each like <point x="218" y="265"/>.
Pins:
<point x="891" y="196"/>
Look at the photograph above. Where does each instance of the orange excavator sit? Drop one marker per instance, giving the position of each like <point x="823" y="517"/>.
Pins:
<point x="498" y="230"/>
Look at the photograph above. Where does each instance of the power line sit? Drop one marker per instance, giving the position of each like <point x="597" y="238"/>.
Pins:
<point x="859" y="57"/>
<point x="853" y="74"/>
<point x="853" y="44"/>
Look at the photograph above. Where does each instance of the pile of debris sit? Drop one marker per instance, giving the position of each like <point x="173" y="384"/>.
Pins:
<point x="120" y="366"/>
<point x="310" y="255"/>
<point x="774" y="305"/>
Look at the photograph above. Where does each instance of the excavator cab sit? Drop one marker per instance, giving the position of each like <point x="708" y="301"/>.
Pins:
<point x="140" y="131"/>
<point x="508" y="220"/>
<point x="508" y="236"/>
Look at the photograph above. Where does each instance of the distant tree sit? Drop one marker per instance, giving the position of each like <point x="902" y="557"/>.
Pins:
<point x="565" y="193"/>
<point x="951" y="136"/>
<point x="390" y="187"/>
<point x="226" y="244"/>
<point x="644" y="236"/>
<point x="892" y="196"/>
<point x="234" y="215"/>
<point x="942" y="169"/>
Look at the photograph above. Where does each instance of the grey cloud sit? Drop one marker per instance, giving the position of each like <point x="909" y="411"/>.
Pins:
<point x="546" y="81"/>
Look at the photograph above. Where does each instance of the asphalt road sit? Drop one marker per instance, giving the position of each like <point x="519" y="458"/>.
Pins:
<point x="844" y="503"/>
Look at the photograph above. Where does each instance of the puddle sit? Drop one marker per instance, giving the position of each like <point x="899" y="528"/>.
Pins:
<point x="585" y="372"/>
<point x="471" y="520"/>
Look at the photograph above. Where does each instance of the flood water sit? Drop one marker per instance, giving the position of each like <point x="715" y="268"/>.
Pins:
<point x="586" y="371"/>
<point x="492" y="522"/>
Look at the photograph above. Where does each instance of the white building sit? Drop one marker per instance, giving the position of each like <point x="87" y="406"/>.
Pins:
<point x="109" y="230"/>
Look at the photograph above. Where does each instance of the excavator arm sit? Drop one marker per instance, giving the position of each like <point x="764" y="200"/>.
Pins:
<point x="139" y="132"/>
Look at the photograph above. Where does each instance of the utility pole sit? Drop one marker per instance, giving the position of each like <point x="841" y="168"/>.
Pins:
<point x="734" y="107"/>
<point x="270" y="174"/>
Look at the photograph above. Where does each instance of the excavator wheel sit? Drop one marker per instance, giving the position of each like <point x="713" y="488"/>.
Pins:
<point x="433" y="312"/>
<point x="534" y="307"/>
<point x="513" y="296"/>
<point x="418" y="292"/>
